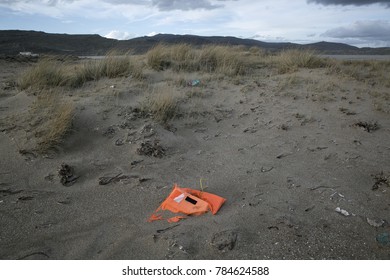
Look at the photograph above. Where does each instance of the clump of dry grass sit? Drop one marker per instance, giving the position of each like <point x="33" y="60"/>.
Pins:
<point x="291" y="60"/>
<point x="53" y="72"/>
<point x="50" y="120"/>
<point x="183" y="57"/>
<point x="112" y="66"/>
<point x="211" y="59"/>
<point x="221" y="59"/>
<point x="257" y="51"/>
<point x="158" y="58"/>
<point x="371" y="72"/>
<point x="46" y="73"/>
<point x="289" y="82"/>
<point x="162" y="104"/>
<point x="115" y="66"/>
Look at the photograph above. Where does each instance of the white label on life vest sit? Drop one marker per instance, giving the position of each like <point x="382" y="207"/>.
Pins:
<point x="179" y="198"/>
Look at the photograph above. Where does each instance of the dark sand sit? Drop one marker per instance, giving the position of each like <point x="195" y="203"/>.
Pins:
<point x="284" y="154"/>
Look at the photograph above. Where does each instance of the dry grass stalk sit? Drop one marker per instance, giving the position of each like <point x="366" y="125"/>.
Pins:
<point x="291" y="60"/>
<point x="158" y="57"/>
<point x="51" y="120"/>
<point x="162" y="104"/>
<point x="221" y="59"/>
<point x="212" y="59"/>
<point x="55" y="72"/>
<point x="374" y="73"/>
<point x="45" y="74"/>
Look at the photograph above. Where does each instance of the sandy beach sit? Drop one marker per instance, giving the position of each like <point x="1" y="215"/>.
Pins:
<point x="301" y="155"/>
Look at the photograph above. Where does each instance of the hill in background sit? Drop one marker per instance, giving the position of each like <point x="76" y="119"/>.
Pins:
<point x="14" y="41"/>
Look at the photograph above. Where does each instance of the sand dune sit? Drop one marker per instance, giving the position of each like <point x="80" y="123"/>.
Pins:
<point x="284" y="147"/>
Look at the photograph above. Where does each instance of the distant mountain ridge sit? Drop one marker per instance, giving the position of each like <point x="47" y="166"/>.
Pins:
<point x="14" y="41"/>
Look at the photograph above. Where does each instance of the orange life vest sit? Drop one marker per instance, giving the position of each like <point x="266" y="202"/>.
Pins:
<point x="188" y="201"/>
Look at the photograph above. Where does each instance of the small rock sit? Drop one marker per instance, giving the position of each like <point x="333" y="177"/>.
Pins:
<point x="375" y="222"/>
<point x="250" y="130"/>
<point x="66" y="174"/>
<point x="342" y="211"/>
<point x="266" y="169"/>
<point x="109" y="132"/>
<point x="119" y="142"/>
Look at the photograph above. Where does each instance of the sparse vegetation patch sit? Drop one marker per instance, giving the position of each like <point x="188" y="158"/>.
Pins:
<point x="210" y="59"/>
<point x="51" y="119"/>
<point x="45" y="74"/>
<point x="291" y="60"/>
<point x="54" y="72"/>
<point x="161" y="103"/>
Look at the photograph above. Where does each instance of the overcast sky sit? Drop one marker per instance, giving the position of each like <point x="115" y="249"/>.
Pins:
<point x="356" y="22"/>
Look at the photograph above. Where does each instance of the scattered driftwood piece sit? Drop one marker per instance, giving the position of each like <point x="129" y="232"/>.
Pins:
<point x="25" y="198"/>
<point x="114" y="179"/>
<point x="166" y="229"/>
<point x="250" y="129"/>
<point x="282" y="155"/>
<point x="33" y="254"/>
<point x="8" y="191"/>
<point x="273" y="227"/>
<point x="319" y="148"/>
<point x="310" y="208"/>
<point x="135" y="162"/>
<point x="319" y="187"/>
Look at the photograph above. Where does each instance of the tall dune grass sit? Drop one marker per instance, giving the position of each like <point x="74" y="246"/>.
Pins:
<point x="210" y="59"/>
<point x="369" y="71"/>
<point x="161" y="103"/>
<point x="46" y="73"/>
<point x="51" y="119"/>
<point x="291" y="60"/>
<point x="51" y="72"/>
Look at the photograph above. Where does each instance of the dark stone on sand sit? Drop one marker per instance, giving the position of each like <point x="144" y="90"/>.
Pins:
<point x="66" y="174"/>
<point x="148" y="149"/>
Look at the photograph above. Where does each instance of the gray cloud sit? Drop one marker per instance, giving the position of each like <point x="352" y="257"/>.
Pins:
<point x="137" y="2"/>
<point x="368" y="31"/>
<point x="350" y="2"/>
<point x="170" y="5"/>
<point x="184" y="5"/>
<point x="47" y="2"/>
<point x="162" y="5"/>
